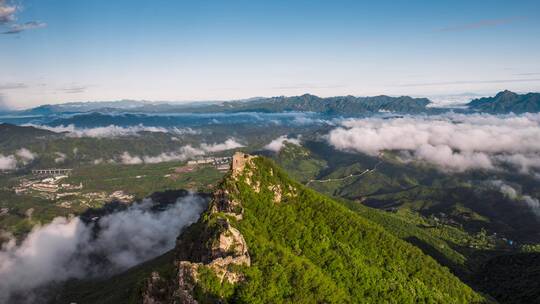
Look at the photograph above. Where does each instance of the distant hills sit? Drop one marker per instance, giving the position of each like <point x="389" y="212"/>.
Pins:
<point x="303" y="103"/>
<point x="506" y="102"/>
<point x="503" y="102"/>
<point x="329" y="105"/>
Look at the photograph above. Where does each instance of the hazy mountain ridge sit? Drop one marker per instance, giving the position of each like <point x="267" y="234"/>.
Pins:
<point x="503" y="102"/>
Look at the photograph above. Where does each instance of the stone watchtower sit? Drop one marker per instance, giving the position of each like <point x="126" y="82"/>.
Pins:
<point x="239" y="162"/>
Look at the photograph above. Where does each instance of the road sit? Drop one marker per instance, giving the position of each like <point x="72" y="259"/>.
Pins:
<point x="343" y="178"/>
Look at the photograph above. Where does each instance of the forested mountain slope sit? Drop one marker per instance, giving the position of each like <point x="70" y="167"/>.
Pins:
<point x="268" y="239"/>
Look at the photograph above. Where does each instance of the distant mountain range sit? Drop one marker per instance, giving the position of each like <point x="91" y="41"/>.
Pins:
<point x="503" y="102"/>
<point x="506" y="102"/>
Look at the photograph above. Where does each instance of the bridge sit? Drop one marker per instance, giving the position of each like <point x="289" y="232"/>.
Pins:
<point x="52" y="171"/>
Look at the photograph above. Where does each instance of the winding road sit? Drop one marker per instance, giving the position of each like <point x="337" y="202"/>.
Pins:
<point x="343" y="178"/>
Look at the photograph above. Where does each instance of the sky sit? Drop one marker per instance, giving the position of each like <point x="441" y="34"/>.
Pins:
<point x="55" y="51"/>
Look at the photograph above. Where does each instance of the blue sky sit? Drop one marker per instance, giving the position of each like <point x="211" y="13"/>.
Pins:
<point x="72" y="50"/>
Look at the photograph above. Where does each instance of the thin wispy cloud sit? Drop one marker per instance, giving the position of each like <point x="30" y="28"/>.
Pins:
<point x="8" y="18"/>
<point x="459" y="82"/>
<point x="7" y="12"/>
<point x="480" y="24"/>
<point x="528" y="74"/>
<point x="309" y="86"/>
<point x="12" y="86"/>
<point x="17" y="28"/>
<point x="74" y="89"/>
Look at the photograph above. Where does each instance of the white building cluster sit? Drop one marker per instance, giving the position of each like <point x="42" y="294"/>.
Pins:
<point x="48" y="187"/>
<point x="220" y="163"/>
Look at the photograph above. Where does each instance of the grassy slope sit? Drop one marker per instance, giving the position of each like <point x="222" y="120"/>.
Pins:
<point x="100" y="178"/>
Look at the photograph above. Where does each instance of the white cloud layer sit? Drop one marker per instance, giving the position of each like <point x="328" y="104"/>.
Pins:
<point x="66" y="248"/>
<point x="453" y="142"/>
<point x="277" y="144"/>
<point x="113" y="130"/>
<point x="22" y="156"/>
<point x="8" y="162"/>
<point x="60" y="157"/>
<point x="184" y="153"/>
<point x="25" y="155"/>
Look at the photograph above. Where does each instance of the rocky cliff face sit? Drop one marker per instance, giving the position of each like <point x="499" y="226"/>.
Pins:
<point x="210" y="244"/>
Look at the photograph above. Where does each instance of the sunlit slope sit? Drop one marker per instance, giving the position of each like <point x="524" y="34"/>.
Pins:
<point x="306" y="247"/>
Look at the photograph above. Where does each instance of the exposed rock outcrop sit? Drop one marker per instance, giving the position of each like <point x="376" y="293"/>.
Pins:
<point x="157" y="289"/>
<point x="212" y="243"/>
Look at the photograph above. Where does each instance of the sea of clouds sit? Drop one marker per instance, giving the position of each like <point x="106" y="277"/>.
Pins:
<point x="67" y="247"/>
<point x="112" y="131"/>
<point x="453" y="142"/>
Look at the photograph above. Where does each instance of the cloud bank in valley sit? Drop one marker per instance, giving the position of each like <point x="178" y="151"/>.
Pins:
<point x="60" y="157"/>
<point x="453" y="142"/>
<point x="184" y="153"/>
<point x="22" y="156"/>
<point x="8" y="162"/>
<point x="277" y="144"/>
<point x="67" y="247"/>
<point x="516" y="195"/>
<point x="112" y="131"/>
<point x="25" y="155"/>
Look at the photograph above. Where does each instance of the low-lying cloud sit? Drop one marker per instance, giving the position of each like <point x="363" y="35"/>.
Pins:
<point x="60" y="157"/>
<point x="22" y="156"/>
<point x="112" y="131"/>
<point x="516" y="195"/>
<point x="184" y="153"/>
<point x="277" y="144"/>
<point x="453" y="142"/>
<point x="67" y="248"/>
<point x="229" y="144"/>
<point x="8" y="162"/>
<point x="25" y="155"/>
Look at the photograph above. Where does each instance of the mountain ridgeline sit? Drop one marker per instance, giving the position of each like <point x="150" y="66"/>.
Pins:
<point x="503" y="102"/>
<point x="332" y="105"/>
<point x="506" y="102"/>
<point x="267" y="239"/>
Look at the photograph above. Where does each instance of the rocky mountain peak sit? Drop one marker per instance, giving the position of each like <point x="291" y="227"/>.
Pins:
<point x="212" y="244"/>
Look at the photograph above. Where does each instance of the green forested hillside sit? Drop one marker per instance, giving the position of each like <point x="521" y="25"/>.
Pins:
<point x="457" y="219"/>
<point x="304" y="248"/>
<point x="308" y="248"/>
<point x="506" y="102"/>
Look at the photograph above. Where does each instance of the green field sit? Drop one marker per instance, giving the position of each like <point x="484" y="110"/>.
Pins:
<point x="137" y="180"/>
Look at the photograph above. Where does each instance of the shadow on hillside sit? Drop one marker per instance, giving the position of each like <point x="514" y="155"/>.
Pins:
<point x="458" y="270"/>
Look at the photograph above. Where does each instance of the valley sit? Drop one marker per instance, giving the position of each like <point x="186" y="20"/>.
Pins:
<point x="280" y="152"/>
<point x="459" y="218"/>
